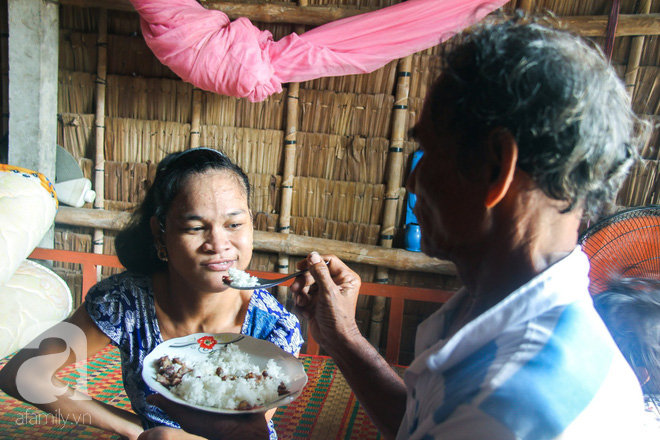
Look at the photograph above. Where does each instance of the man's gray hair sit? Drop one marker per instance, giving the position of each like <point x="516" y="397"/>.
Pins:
<point x="558" y="96"/>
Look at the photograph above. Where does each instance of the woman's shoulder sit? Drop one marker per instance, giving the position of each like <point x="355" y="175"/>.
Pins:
<point x="268" y="319"/>
<point x="263" y="299"/>
<point x="123" y="284"/>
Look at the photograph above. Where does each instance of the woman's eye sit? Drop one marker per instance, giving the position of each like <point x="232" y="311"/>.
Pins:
<point x="195" y="229"/>
<point x="234" y="225"/>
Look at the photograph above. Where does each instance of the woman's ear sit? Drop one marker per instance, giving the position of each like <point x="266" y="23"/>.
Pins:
<point x="503" y="149"/>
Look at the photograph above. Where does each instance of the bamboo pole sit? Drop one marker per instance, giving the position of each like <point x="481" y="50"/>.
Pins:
<point x="526" y="5"/>
<point x="195" y="121"/>
<point x="286" y="188"/>
<point x="275" y="242"/>
<point x="588" y="26"/>
<point x="395" y="168"/>
<point x="635" y="56"/>
<point x="99" y="127"/>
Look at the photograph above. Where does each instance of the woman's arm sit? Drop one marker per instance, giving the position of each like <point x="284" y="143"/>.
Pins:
<point x="30" y="376"/>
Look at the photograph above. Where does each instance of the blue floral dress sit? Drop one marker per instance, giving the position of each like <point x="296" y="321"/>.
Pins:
<point x="122" y="306"/>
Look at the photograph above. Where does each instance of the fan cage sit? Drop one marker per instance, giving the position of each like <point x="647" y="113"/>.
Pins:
<point x="623" y="245"/>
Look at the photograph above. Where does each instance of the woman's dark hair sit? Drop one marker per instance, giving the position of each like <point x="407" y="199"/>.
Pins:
<point x="630" y="308"/>
<point x="134" y="244"/>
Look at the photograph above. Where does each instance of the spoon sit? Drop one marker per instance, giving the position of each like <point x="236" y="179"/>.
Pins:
<point x="263" y="283"/>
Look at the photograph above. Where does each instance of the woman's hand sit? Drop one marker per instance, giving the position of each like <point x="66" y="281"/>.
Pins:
<point x="206" y="424"/>
<point x="327" y="296"/>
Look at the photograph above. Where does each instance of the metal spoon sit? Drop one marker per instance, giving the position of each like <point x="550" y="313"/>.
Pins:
<point x="265" y="283"/>
<point x="262" y="283"/>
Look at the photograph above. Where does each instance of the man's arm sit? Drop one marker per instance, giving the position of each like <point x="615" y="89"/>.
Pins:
<point x="327" y="296"/>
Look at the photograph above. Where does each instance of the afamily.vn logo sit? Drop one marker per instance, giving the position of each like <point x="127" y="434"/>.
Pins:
<point x="40" y="418"/>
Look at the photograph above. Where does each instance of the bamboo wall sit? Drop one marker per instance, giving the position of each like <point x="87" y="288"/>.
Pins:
<point x="342" y="131"/>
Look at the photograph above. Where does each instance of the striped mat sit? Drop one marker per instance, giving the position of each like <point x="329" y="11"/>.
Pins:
<point x="327" y="409"/>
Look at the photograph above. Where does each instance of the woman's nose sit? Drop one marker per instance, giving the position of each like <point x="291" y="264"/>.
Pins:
<point x="216" y="240"/>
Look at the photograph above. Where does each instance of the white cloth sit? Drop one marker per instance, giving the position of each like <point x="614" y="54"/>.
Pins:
<point x="539" y="365"/>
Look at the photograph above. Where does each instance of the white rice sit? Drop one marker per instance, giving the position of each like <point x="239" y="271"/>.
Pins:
<point x="240" y="278"/>
<point x="203" y="386"/>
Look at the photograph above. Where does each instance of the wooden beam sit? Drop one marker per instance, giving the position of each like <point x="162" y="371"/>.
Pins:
<point x="284" y="12"/>
<point x="275" y="242"/>
<point x="635" y="55"/>
<point x="588" y="26"/>
<point x="114" y="5"/>
<point x="628" y="25"/>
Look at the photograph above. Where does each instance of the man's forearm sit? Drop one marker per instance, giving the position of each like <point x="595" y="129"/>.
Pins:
<point x="377" y="386"/>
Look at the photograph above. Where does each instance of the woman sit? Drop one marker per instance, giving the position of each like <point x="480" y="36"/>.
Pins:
<point x="194" y="224"/>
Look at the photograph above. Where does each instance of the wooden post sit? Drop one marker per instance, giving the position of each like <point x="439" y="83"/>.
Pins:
<point x="286" y="189"/>
<point x="99" y="128"/>
<point x="195" y="122"/>
<point x="635" y="56"/>
<point x="526" y="5"/>
<point x="393" y="187"/>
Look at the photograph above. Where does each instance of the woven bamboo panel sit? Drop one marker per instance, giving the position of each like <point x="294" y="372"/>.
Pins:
<point x="355" y="3"/>
<point x="378" y="82"/>
<point x="335" y="230"/>
<point x="334" y="157"/>
<point x="256" y="151"/>
<point x="652" y="148"/>
<point x="77" y="51"/>
<point x="79" y="19"/>
<point x="75" y="92"/>
<point x="425" y="69"/>
<point x="265" y="192"/>
<point x="148" y="98"/>
<point x="130" y="55"/>
<point x="263" y="262"/>
<point x="642" y="186"/>
<point x="75" y="134"/>
<point x="651" y="48"/>
<point x="267" y="114"/>
<point x="230" y="111"/>
<point x="336" y="200"/>
<point x="72" y="239"/>
<point x="345" y="114"/>
<point x="135" y="140"/>
<point x="646" y="99"/>
<point x="126" y="181"/>
<point x="265" y="221"/>
<point x="218" y="110"/>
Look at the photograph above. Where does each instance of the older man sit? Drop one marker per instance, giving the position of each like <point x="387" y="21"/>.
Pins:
<point x="527" y="129"/>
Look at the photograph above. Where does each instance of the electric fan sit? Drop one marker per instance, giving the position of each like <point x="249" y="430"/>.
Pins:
<point x="624" y="245"/>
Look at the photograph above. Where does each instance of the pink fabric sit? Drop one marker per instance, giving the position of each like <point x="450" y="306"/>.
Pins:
<point x="237" y="59"/>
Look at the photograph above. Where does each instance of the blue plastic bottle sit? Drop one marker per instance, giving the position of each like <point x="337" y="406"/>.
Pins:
<point x="413" y="235"/>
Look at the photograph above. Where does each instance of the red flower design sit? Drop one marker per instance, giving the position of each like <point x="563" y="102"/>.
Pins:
<point x="207" y="342"/>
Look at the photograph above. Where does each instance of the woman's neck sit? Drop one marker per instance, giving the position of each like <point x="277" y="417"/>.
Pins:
<point x="181" y="310"/>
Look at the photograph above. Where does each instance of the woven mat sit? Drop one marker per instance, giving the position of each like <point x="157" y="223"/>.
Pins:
<point x="327" y="409"/>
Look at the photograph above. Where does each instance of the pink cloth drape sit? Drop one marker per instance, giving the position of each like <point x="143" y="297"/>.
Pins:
<point x="237" y="59"/>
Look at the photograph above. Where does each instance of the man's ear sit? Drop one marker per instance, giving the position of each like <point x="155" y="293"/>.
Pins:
<point x="156" y="231"/>
<point x="503" y="149"/>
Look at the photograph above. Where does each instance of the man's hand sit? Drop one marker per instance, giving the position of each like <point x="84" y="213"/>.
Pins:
<point x="327" y="295"/>
<point x="206" y="424"/>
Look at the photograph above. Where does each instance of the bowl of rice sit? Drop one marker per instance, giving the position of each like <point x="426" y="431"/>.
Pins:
<point x="224" y="373"/>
